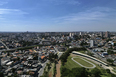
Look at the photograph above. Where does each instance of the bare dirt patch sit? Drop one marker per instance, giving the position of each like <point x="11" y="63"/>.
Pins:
<point x="58" y="69"/>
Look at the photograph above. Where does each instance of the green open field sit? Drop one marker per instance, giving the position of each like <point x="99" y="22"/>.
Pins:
<point x="84" y="63"/>
<point x="71" y="64"/>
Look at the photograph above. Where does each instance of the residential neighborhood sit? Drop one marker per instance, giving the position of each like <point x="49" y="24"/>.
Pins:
<point x="29" y="55"/>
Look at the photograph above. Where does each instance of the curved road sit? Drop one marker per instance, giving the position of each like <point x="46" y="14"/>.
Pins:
<point x="84" y="60"/>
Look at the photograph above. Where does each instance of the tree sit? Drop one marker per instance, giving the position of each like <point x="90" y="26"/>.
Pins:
<point x="56" y="56"/>
<point x="48" y="66"/>
<point x="18" y="58"/>
<point x="90" y="54"/>
<point x="108" y="71"/>
<point x="75" y="72"/>
<point x="1" y="74"/>
<point x="53" y="57"/>
<point x="35" y="58"/>
<point x="80" y="72"/>
<point x="96" y="72"/>
<point x="83" y="43"/>
<point x="70" y="75"/>
<point x="8" y="54"/>
<point x="110" y="61"/>
<point x="13" y="70"/>
<point x="110" y="51"/>
<point x="65" y="72"/>
<point x="114" y="44"/>
<point x="109" y="40"/>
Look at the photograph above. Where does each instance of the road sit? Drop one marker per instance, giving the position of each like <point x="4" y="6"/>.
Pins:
<point x="58" y="52"/>
<point x="58" y="65"/>
<point x="97" y="55"/>
<point x="41" y="71"/>
<point x="4" y="45"/>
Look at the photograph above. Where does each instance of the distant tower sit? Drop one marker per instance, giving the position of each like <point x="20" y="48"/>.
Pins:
<point x="70" y="34"/>
<point x="107" y="34"/>
<point x="91" y="43"/>
<point x="80" y="33"/>
<point x="101" y="34"/>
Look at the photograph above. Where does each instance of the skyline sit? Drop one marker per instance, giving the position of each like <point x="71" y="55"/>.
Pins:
<point x="57" y="15"/>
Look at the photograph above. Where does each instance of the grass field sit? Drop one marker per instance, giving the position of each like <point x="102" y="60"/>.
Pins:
<point x="81" y="61"/>
<point x="87" y="60"/>
<point x="103" y="71"/>
<point x="71" y="64"/>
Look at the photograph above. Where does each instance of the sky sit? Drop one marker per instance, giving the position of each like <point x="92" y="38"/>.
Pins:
<point x="57" y="15"/>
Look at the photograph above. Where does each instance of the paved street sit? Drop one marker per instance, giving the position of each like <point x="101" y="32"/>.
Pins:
<point x="41" y="71"/>
<point x="97" y="55"/>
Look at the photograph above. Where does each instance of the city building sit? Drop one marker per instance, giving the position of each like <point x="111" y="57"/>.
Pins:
<point x="71" y="34"/>
<point x="107" y="34"/>
<point x="101" y="34"/>
<point x="91" y="43"/>
<point x="80" y="33"/>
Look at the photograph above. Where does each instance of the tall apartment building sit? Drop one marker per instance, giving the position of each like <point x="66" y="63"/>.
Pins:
<point x="71" y="34"/>
<point x="92" y="43"/>
<point x="107" y="34"/>
<point x="101" y="34"/>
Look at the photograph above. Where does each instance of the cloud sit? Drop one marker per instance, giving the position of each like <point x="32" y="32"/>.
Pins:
<point x="2" y="3"/>
<point x="6" y="14"/>
<point x="11" y="11"/>
<point x="58" y="2"/>
<point x="101" y="9"/>
<point x="92" y="14"/>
